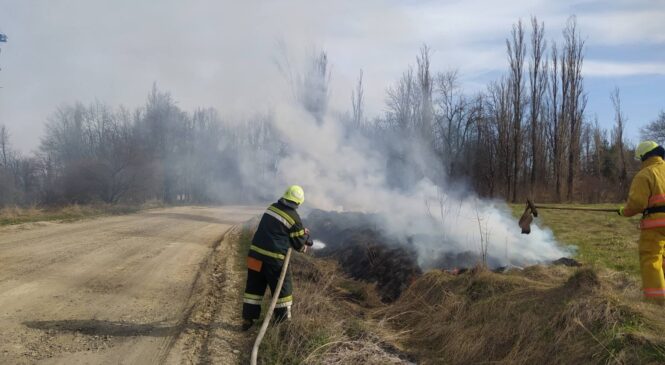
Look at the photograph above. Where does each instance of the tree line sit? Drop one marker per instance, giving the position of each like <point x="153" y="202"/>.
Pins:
<point x="525" y="134"/>
<point x="95" y="153"/>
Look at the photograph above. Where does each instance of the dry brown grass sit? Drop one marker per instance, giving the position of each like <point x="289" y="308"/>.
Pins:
<point x="544" y="315"/>
<point x="540" y="315"/>
<point x="17" y="215"/>
<point x="328" y="325"/>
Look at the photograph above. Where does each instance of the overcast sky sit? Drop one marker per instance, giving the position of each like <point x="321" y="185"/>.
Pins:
<point x="222" y="53"/>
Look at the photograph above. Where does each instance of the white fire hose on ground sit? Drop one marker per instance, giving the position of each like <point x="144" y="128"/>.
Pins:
<point x="271" y="309"/>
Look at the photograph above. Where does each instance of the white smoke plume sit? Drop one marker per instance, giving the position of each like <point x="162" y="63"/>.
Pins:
<point x="340" y="172"/>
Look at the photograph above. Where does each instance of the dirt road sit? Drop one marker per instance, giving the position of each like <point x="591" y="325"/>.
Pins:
<point x="132" y="289"/>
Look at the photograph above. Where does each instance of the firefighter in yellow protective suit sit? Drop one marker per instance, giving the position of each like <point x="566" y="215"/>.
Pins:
<point x="647" y="196"/>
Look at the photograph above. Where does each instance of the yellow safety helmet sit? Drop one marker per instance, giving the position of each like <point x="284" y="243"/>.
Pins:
<point x="295" y="194"/>
<point x="643" y="148"/>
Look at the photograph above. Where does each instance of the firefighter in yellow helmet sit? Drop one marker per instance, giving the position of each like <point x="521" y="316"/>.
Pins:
<point x="280" y="228"/>
<point x="647" y="196"/>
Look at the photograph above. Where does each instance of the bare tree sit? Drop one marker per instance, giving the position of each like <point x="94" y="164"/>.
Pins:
<point x="486" y="147"/>
<point x="575" y="99"/>
<point x="4" y="145"/>
<point x="403" y="103"/>
<point x="309" y="87"/>
<point x="556" y="130"/>
<point x="315" y="86"/>
<point x="554" y="122"/>
<point x="7" y="180"/>
<point x="454" y="120"/>
<point x="501" y="116"/>
<point x="599" y="146"/>
<point x="358" y="102"/>
<point x="425" y="82"/>
<point x="516" y="53"/>
<point x="617" y="134"/>
<point x="537" y="88"/>
<point x="655" y="130"/>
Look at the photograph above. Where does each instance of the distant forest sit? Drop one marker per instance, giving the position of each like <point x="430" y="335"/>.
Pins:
<point x="526" y="134"/>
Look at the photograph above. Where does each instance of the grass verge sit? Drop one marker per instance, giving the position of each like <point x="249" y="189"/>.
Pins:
<point x="543" y="315"/>
<point x="329" y="324"/>
<point x="69" y="213"/>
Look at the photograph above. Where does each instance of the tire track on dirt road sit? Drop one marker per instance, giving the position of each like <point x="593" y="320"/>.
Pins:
<point x="213" y="334"/>
<point x="205" y="289"/>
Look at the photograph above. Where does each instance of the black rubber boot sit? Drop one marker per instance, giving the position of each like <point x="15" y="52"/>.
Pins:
<point x="247" y="324"/>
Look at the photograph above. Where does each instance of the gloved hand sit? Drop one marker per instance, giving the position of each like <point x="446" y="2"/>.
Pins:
<point x="620" y="211"/>
<point x="307" y="245"/>
<point x="309" y="241"/>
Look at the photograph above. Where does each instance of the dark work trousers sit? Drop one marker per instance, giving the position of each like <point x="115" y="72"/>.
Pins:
<point x="256" y="287"/>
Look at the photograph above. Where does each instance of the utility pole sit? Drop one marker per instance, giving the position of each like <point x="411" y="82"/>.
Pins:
<point x="3" y="39"/>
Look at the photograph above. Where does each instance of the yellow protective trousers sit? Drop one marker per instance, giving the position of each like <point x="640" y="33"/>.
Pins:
<point x="651" y="246"/>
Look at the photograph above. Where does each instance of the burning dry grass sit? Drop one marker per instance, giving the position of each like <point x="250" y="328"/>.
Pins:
<point x="544" y="315"/>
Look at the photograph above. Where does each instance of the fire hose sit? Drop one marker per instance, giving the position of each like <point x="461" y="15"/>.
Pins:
<point x="531" y="210"/>
<point x="271" y="309"/>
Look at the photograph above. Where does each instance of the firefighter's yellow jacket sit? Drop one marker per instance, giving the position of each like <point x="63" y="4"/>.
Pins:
<point x="646" y="191"/>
